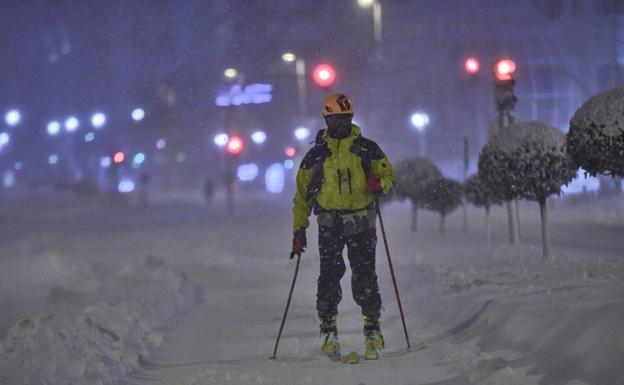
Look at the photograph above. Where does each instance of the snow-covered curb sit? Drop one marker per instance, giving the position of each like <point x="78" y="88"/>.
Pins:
<point x="107" y="339"/>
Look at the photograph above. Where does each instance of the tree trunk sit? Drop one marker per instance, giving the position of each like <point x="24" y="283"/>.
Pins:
<point x="488" y="235"/>
<point x="545" y="238"/>
<point x="442" y="223"/>
<point x="514" y="233"/>
<point x="414" y="217"/>
<point x="465" y="218"/>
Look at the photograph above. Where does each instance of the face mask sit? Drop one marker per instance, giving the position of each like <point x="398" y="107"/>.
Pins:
<point x="339" y="126"/>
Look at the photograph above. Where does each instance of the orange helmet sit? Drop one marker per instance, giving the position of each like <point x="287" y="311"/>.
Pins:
<point x="336" y="104"/>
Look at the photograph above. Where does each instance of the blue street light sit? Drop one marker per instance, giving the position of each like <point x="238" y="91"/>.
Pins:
<point x="258" y="137"/>
<point x="13" y="117"/>
<point x="54" y="127"/>
<point x="221" y="139"/>
<point x="98" y="120"/>
<point x="420" y="121"/>
<point x="302" y="133"/>
<point x="4" y="139"/>
<point x="138" y="114"/>
<point x="71" y="124"/>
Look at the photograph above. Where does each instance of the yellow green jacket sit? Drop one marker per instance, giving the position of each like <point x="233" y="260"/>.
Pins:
<point x="332" y="175"/>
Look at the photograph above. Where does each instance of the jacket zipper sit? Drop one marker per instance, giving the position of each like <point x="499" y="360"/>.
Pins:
<point x="349" y="175"/>
<point x="339" y="181"/>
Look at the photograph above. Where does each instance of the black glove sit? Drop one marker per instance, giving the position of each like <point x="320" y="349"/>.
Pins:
<point x="299" y="243"/>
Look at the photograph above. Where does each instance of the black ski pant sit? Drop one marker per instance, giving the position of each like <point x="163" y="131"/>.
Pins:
<point x="358" y="233"/>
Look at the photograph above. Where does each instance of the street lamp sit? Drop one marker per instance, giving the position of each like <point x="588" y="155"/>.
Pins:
<point x="138" y="114"/>
<point x="420" y="121"/>
<point x="4" y="139"/>
<point x="12" y="117"/>
<point x="289" y="57"/>
<point x="71" y="124"/>
<point x="230" y="73"/>
<point x="300" y="70"/>
<point x="221" y="139"/>
<point x="302" y="133"/>
<point x="377" y="26"/>
<point x="98" y="120"/>
<point x="54" y="127"/>
<point x="258" y="137"/>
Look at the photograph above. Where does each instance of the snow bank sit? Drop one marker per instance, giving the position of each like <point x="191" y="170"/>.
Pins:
<point x="107" y="338"/>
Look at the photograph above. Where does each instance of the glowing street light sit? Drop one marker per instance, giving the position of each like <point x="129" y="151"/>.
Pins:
<point x="4" y="139"/>
<point x="98" y="120"/>
<point x="12" y="117"/>
<point x="54" y="127"/>
<point x="377" y="21"/>
<point x="221" y="139"/>
<point x="420" y="120"/>
<point x="289" y="57"/>
<point x="302" y="133"/>
<point x="258" y="137"/>
<point x="230" y="73"/>
<point x="161" y="144"/>
<point x="71" y="124"/>
<point x="138" y="114"/>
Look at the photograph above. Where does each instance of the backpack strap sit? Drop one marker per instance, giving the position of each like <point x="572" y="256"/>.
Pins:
<point x="314" y="159"/>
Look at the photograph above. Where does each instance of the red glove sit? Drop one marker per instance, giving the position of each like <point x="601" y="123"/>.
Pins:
<point x="299" y="243"/>
<point x="374" y="184"/>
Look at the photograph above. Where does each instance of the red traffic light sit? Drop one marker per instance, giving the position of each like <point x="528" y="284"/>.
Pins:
<point x="290" y="151"/>
<point x="118" y="157"/>
<point x="472" y="65"/>
<point x="324" y="75"/>
<point x="235" y="145"/>
<point x="504" y="69"/>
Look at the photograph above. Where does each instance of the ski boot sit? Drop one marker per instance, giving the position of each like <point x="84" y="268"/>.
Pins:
<point x="374" y="341"/>
<point x="329" y="338"/>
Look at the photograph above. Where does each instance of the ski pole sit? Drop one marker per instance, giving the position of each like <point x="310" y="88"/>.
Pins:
<point x="394" y="282"/>
<point x="292" y="287"/>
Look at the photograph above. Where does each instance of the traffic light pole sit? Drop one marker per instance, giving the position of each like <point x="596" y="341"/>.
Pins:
<point x="505" y="100"/>
<point x="512" y="205"/>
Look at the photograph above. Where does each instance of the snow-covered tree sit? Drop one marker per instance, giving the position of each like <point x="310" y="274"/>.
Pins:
<point x="443" y="196"/>
<point x="529" y="160"/>
<point x="596" y="137"/>
<point x="412" y="178"/>
<point x="480" y="194"/>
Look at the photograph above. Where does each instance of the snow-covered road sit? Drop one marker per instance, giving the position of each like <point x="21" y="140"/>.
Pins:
<point x="479" y="316"/>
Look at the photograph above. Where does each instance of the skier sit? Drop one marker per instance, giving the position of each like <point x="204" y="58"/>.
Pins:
<point x="339" y="178"/>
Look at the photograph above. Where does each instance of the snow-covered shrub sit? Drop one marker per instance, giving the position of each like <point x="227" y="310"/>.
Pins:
<point x="443" y="196"/>
<point x="529" y="160"/>
<point x="412" y="178"/>
<point x="596" y="137"/>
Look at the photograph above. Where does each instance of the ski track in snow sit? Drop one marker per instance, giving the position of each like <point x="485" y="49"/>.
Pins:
<point x="474" y="316"/>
